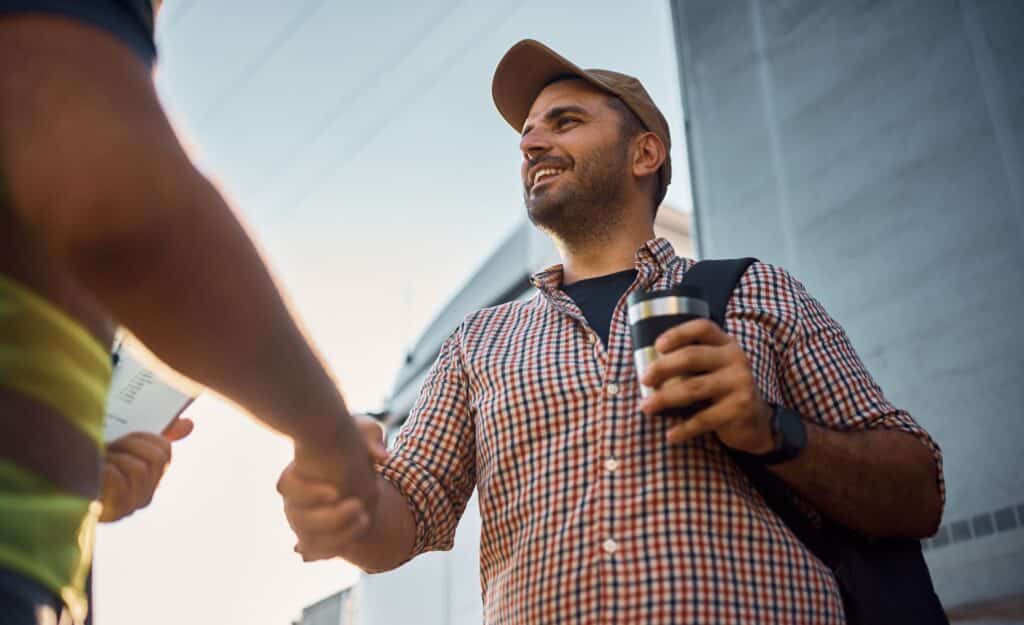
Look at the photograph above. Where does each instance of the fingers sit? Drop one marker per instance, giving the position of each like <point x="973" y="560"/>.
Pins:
<point x="115" y="495"/>
<point x="323" y="522"/>
<point x="129" y="483"/>
<point x="178" y="429"/>
<point x="683" y="361"/>
<point x="331" y="518"/>
<point x="300" y="492"/>
<point x="132" y="469"/>
<point x="347" y="526"/>
<point x="153" y="450"/>
<point x="703" y="422"/>
<point x="738" y="418"/>
<point x="702" y="331"/>
<point x="373" y="433"/>
<point x="679" y="392"/>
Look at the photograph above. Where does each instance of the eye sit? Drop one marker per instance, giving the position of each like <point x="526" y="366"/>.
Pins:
<point x="566" y="122"/>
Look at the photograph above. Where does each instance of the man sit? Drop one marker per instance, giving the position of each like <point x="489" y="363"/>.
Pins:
<point x="595" y="509"/>
<point x="103" y="217"/>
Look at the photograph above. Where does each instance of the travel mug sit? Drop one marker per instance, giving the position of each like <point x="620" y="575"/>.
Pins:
<point x="652" y="312"/>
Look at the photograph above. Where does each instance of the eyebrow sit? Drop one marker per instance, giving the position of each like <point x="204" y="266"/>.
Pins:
<point x="557" y="112"/>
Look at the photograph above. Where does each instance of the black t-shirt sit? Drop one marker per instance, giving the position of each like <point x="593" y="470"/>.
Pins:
<point x="131" y="21"/>
<point x="597" y="298"/>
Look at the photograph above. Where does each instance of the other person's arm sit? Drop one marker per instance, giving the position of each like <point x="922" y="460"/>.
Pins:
<point x="93" y="170"/>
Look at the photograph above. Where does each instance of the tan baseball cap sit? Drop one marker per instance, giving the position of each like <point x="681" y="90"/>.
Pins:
<point x="529" y="66"/>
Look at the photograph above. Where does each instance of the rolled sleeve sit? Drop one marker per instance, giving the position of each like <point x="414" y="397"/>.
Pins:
<point x="826" y="381"/>
<point x="433" y="462"/>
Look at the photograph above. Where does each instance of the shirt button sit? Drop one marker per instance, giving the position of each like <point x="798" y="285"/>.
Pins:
<point x="610" y="546"/>
<point x="591" y="338"/>
<point x="611" y="465"/>
<point x="612" y="389"/>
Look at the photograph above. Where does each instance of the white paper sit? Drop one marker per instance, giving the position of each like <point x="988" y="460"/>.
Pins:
<point x="138" y="400"/>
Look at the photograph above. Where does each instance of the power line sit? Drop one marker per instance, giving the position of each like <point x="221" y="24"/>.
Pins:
<point x="421" y="87"/>
<point x="371" y="79"/>
<point x="293" y="26"/>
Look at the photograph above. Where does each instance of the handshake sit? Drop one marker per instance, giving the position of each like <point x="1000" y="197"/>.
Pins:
<point x="326" y="517"/>
<point x="329" y="493"/>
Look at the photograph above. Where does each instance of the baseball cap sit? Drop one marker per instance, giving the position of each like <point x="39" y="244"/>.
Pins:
<point x="529" y="66"/>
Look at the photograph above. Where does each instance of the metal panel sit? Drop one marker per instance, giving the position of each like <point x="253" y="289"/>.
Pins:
<point x="875" y="150"/>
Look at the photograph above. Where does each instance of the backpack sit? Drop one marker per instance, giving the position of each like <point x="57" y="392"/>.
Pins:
<point x="882" y="581"/>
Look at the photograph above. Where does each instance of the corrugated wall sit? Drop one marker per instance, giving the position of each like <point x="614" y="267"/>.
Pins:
<point x="876" y="149"/>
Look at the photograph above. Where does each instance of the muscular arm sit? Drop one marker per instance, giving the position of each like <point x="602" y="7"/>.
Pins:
<point x="94" y="172"/>
<point x="878" y="482"/>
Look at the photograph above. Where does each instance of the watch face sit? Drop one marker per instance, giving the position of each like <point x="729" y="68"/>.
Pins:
<point x="791" y="426"/>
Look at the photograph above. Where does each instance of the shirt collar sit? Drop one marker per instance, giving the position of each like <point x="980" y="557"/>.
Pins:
<point x="652" y="260"/>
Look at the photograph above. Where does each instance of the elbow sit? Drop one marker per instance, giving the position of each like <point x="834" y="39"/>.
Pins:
<point x="926" y="521"/>
<point x="928" y="505"/>
<point x="932" y="513"/>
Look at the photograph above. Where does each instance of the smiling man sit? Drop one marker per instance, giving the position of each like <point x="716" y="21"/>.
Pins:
<point x="594" y="509"/>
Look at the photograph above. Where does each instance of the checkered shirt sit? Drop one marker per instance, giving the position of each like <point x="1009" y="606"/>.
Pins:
<point x="588" y="516"/>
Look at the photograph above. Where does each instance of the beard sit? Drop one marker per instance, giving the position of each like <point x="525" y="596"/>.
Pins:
<point x="584" y="208"/>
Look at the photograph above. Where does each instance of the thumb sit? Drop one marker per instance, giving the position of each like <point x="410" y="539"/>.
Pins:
<point x="373" y="436"/>
<point x="178" y="429"/>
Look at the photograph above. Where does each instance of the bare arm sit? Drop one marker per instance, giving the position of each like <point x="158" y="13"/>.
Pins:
<point x="878" y="482"/>
<point x="95" y="173"/>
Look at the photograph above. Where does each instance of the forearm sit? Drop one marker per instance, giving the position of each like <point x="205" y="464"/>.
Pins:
<point x="389" y="540"/>
<point x="96" y="176"/>
<point x="878" y="482"/>
<point x="191" y="286"/>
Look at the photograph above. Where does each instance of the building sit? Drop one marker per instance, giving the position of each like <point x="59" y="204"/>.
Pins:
<point x="876" y="149"/>
<point x="336" y="609"/>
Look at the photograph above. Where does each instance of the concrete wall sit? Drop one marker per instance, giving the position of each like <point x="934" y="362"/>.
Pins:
<point x="876" y="149"/>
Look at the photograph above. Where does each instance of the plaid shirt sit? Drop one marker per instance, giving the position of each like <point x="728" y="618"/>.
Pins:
<point x="588" y="516"/>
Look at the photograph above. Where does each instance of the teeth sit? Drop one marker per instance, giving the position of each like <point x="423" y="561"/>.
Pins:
<point x="545" y="172"/>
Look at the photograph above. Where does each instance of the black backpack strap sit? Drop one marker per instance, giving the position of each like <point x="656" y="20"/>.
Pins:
<point x="718" y="279"/>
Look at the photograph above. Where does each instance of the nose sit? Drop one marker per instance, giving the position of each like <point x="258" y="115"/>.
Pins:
<point x="534" y="144"/>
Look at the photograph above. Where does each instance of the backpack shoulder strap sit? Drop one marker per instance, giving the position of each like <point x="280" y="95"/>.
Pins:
<point x="718" y="279"/>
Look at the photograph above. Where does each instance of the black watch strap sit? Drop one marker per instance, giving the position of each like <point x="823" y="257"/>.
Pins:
<point x="790" y="437"/>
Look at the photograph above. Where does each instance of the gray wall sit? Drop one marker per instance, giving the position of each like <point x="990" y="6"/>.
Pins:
<point x="876" y="149"/>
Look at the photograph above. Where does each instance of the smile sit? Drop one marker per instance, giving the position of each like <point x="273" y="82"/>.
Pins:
<point x="546" y="172"/>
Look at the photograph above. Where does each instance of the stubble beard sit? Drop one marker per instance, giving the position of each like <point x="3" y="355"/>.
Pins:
<point x="584" y="212"/>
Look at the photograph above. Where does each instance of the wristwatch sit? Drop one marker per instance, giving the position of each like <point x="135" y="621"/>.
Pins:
<point x="790" y="437"/>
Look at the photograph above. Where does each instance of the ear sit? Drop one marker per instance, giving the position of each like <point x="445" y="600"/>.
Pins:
<point x="648" y="155"/>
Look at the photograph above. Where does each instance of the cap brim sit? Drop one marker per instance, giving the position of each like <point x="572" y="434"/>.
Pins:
<point x="522" y="74"/>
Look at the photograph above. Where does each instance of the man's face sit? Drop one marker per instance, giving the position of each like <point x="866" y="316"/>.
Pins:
<point x="575" y="161"/>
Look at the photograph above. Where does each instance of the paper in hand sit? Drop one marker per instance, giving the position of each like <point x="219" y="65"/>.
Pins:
<point x="139" y="401"/>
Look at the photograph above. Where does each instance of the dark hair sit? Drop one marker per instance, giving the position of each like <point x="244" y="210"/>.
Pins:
<point x="629" y="127"/>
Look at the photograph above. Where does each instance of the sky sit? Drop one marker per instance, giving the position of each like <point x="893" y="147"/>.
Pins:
<point x="359" y="144"/>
